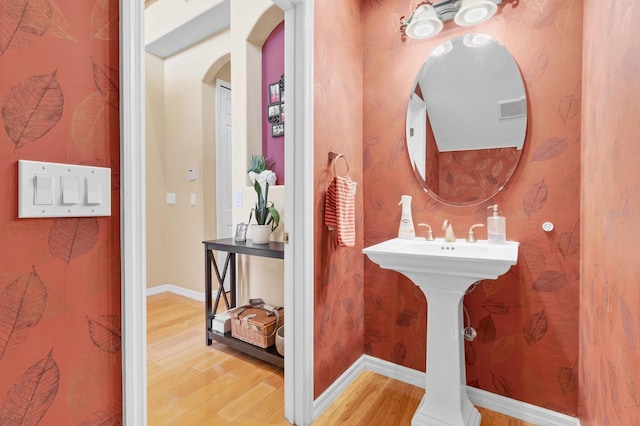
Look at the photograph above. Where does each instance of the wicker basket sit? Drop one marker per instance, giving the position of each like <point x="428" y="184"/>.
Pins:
<point x="255" y="326"/>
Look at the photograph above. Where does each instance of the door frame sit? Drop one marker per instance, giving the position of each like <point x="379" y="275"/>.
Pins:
<point x="299" y="199"/>
<point x="133" y="214"/>
<point x="298" y="253"/>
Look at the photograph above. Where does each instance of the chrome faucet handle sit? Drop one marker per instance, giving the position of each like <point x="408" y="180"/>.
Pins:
<point x="471" y="236"/>
<point x="445" y="224"/>
<point x="429" y="236"/>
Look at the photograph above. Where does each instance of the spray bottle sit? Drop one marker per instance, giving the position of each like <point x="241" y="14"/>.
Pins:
<point x="406" y="229"/>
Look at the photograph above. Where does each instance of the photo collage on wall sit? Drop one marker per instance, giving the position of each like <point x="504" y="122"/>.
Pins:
<point x="275" y="110"/>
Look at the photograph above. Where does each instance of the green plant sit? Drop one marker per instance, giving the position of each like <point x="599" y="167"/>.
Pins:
<point x="266" y="213"/>
<point x="260" y="163"/>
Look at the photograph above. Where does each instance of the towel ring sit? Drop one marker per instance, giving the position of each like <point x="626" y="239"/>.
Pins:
<point x="345" y="162"/>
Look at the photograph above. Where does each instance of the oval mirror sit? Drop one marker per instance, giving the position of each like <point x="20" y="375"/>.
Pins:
<point x="466" y="120"/>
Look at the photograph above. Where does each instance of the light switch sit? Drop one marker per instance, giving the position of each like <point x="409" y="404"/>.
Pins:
<point x="43" y="194"/>
<point x="62" y="190"/>
<point x="70" y="194"/>
<point x="94" y="194"/>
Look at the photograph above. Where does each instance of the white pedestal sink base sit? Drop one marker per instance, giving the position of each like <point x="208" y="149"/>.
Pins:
<point x="445" y="401"/>
<point x="432" y="417"/>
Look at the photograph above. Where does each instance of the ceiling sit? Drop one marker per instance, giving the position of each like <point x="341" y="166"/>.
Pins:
<point x="197" y="29"/>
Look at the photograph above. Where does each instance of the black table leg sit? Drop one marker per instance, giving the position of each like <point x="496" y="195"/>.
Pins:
<point x="207" y="294"/>
<point x="233" y="278"/>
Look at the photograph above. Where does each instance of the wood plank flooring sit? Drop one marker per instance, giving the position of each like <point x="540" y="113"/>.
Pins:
<point x="190" y="383"/>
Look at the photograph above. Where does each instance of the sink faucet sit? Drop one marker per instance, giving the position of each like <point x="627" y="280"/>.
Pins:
<point x="449" y="236"/>
<point x="429" y="236"/>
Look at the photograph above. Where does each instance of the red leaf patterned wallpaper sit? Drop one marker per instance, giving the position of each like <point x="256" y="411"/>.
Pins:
<point x="339" y="283"/>
<point x="60" y="332"/>
<point x="610" y="287"/>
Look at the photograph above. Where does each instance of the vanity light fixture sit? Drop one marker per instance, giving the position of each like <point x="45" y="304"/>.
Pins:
<point x="426" y="21"/>
<point x="473" y="12"/>
<point x="423" y="22"/>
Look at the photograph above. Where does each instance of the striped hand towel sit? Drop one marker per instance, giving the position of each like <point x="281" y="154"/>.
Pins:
<point x="339" y="212"/>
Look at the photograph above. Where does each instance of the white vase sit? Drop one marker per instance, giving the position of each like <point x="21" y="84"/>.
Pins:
<point x="260" y="234"/>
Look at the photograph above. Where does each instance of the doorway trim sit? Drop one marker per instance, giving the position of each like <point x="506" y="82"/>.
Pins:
<point x="298" y="253"/>
<point x="223" y="174"/>
<point x="133" y="214"/>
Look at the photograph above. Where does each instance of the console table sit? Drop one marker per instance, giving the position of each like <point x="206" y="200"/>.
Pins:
<point x="233" y="248"/>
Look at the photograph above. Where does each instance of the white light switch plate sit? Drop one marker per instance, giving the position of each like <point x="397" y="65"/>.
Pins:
<point x="74" y="178"/>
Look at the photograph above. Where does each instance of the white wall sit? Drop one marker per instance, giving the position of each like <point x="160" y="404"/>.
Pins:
<point x="155" y="170"/>
<point x="184" y="148"/>
<point x="164" y="16"/>
<point x="180" y="131"/>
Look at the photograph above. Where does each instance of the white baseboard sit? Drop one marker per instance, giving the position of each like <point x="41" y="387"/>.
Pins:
<point x="498" y="403"/>
<point x="332" y="392"/>
<point x="175" y="290"/>
<point x="519" y="410"/>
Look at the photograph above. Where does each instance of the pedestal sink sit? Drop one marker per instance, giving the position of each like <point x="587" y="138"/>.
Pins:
<point x="444" y="271"/>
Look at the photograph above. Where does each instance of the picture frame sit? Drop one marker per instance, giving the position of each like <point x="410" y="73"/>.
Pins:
<point x="273" y="112"/>
<point x="274" y="93"/>
<point x="241" y="232"/>
<point x="277" y="130"/>
<point x="282" y="112"/>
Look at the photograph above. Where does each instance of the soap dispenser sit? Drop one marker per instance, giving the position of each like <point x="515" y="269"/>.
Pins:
<point x="406" y="229"/>
<point x="496" y="226"/>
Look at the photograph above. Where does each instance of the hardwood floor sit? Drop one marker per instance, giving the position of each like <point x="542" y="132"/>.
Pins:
<point x="190" y="383"/>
